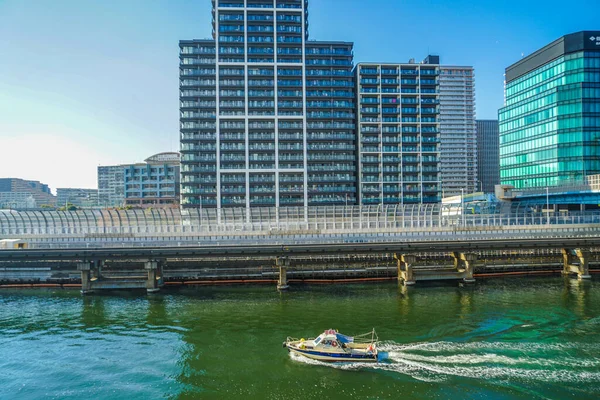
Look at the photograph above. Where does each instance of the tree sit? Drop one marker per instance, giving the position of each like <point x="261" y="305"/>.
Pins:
<point x="68" y="207"/>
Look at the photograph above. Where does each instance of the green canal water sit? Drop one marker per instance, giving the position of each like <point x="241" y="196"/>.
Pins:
<point x="517" y="338"/>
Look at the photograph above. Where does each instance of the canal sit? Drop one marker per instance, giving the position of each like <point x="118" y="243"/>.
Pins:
<point x="511" y="338"/>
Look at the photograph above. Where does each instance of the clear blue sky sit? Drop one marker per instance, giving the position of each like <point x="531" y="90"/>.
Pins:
<point x="89" y="82"/>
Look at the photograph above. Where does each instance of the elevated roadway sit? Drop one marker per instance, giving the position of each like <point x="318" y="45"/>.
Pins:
<point x="291" y="250"/>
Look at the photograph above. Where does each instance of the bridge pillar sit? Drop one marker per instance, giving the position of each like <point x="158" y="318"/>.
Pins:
<point x="86" y="276"/>
<point x="405" y="268"/>
<point x="282" y="263"/>
<point x="96" y="272"/>
<point x="465" y="263"/>
<point x="581" y="269"/>
<point x="154" y="269"/>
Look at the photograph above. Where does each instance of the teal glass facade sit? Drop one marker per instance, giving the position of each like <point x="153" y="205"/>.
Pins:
<point x="550" y="124"/>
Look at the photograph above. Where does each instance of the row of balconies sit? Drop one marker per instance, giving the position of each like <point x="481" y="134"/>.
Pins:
<point x="367" y="70"/>
<point x="410" y="169"/>
<point x="408" y="82"/>
<point x="400" y="189"/>
<point x="331" y="168"/>
<point x="387" y="100"/>
<point x="239" y="136"/>
<point x="399" y="159"/>
<point x="397" y="177"/>
<point x="415" y="119"/>
<point x="188" y="49"/>
<point x="397" y="110"/>
<point x="397" y="149"/>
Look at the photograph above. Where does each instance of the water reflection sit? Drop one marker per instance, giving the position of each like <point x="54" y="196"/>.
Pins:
<point x="465" y="296"/>
<point x="157" y="313"/>
<point x="534" y="334"/>
<point x="576" y="295"/>
<point x="93" y="312"/>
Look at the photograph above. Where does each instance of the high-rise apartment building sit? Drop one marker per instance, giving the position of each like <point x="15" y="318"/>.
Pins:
<point x="488" y="154"/>
<point x="398" y="132"/>
<point x="458" y="135"/>
<point x="22" y="189"/>
<point x="111" y="185"/>
<point x="84" y="198"/>
<point x="267" y="118"/>
<point x="550" y="123"/>
<point x="153" y="183"/>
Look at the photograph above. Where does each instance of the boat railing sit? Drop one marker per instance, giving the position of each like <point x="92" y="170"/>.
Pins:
<point x="293" y="339"/>
<point x="369" y="337"/>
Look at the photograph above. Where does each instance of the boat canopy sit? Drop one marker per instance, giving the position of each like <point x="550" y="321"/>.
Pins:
<point x="338" y="336"/>
<point x="343" y="338"/>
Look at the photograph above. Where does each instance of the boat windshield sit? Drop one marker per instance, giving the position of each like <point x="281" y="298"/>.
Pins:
<point x="317" y="340"/>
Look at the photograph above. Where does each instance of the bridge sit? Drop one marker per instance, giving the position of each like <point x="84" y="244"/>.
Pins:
<point x="152" y="241"/>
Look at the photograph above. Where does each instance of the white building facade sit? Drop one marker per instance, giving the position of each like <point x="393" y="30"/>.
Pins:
<point x="458" y="130"/>
<point x="267" y="117"/>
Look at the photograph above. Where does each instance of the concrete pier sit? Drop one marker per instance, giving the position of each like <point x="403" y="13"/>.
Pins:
<point x="405" y="268"/>
<point x="154" y="270"/>
<point x="464" y="263"/>
<point x="581" y="268"/>
<point x="93" y="280"/>
<point x="282" y="263"/>
<point x="86" y="276"/>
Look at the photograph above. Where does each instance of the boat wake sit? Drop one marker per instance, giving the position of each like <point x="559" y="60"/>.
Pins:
<point x="439" y="361"/>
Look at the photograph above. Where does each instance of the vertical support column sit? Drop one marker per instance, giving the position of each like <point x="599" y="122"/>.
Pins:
<point x="456" y="258"/>
<point x="160" y="280"/>
<point x="405" y="268"/>
<point x="86" y="279"/>
<point x="152" y="267"/>
<point x="464" y="263"/>
<point x="566" y="255"/>
<point x="282" y="263"/>
<point x="469" y="260"/>
<point x="584" y="271"/>
<point x="96" y="272"/>
<point x="581" y="269"/>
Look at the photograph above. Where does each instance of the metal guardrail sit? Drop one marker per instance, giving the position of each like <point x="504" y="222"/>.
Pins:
<point x="429" y="235"/>
<point x="211" y="251"/>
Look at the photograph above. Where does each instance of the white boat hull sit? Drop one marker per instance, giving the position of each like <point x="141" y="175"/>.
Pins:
<point x="334" y="356"/>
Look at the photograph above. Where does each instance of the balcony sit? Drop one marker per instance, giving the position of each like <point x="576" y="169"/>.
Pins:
<point x="368" y="81"/>
<point x="262" y="200"/>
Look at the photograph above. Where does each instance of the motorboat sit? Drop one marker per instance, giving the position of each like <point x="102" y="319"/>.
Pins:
<point x="333" y="346"/>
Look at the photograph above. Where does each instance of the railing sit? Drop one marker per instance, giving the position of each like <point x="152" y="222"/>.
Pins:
<point x="234" y="236"/>
<point x="379" y="221"/>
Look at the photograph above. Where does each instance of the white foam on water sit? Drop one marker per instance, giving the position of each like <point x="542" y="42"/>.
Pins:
<point x="482" y="360"/>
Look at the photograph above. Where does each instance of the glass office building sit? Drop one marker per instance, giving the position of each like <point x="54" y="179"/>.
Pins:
<point x="550" y="123"/>
<point x="398" y="131"/>
<point x="267" y="118"/>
